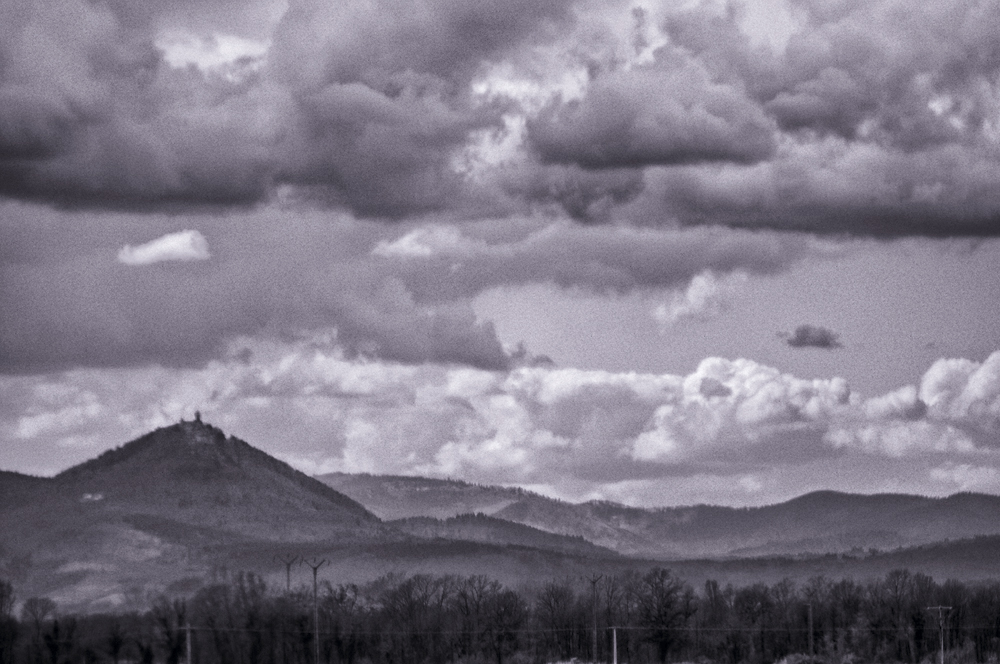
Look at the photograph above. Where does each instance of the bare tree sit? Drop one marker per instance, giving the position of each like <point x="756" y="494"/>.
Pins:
<point x="665" y="605"/>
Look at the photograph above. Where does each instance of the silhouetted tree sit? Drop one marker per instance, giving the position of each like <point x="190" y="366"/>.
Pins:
<point x="505" y="613"/>
<point x="665" y="605"/>
<point x="170" y="618"/>
<point x="8" y="625"/>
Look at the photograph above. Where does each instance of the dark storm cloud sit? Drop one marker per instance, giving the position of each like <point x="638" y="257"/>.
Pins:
<point x="381" y="94"/>
<point x="379" y="154"/>
<point x="320" y="42"/>
<point x="889" y="112"/>
<point x="661" y="114"/>
<point x="876" y="118"/>
<point x="90" y="115"/>
<point x="585" y="195"/>
<point x="813" y="336"/>
<point x="357" y="106"/>
<point x="861" y="189"/>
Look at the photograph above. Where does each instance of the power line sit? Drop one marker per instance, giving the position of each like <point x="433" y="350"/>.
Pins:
<point x="288" y="561"/>
<point x="941" y="613"/>
<point x="314" y="564"/>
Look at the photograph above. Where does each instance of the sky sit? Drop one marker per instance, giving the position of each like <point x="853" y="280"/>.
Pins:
<point x="656" y="252"/>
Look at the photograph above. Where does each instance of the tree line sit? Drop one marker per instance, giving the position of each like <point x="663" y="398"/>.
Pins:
<point x="652" y="617"/>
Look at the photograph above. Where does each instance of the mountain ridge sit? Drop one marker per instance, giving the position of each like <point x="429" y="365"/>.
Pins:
<point x="819" y="522"/>
<point x="161" y="512"/>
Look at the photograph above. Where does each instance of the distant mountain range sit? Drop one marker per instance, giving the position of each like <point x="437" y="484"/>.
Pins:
<point x="162" y="512"/>
<point x="817" y="523"/>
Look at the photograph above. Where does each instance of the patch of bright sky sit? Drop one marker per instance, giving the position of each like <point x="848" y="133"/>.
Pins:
<point x="211" y="52"/>
<point x="897" y="307"/>
<point x="767" y="22"/>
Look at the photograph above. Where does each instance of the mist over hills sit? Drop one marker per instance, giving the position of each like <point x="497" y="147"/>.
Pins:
<point x="819" y="523"/>
<point x="164" y="512"/>
<point x="491" y="530"/>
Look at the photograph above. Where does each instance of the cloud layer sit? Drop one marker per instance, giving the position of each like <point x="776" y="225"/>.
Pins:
<point x="871" y="118"/>
<point x="570" y="432"/>
<point x="74" y="296"/>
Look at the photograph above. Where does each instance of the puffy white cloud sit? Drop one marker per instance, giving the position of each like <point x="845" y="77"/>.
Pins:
<point x="216" y="52"/>
<point x="901" y="404"/>
<point x="428" y="241"/>
<point x="955" y="409"/>
<point x="964" y="392"/>
<point x="188" y="245"/>
<point x="898" y="439"/>
<point x="707" y="295"/>
<point x="730" y="407"/>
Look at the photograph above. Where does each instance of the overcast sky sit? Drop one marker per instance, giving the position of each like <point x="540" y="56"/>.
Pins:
<point x="658" y="252"/>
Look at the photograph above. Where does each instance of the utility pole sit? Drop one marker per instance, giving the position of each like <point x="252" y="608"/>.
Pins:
<point x="188" y="641"/>
<point x="314" y="565"/>
<point x="941" y="614"/>
<point x="811" y="651"/>
<point x="614" y="645"/>
<point x="288" y="561"/>
<point x="594" y="578"/>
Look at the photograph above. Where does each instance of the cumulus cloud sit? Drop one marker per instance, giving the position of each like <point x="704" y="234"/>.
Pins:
<point x="705" y="296"/>
<point x="900" y="404"/>
<point x="953" y="410"/>
<point x="738" y="429"/>
<point x="813" y="336"/>
<point x="189" y="245"/>
<point x="964" y="392"/>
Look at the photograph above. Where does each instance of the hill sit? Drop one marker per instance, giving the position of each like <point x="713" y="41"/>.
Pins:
<point x="191" y="472"/>
<point x="158" y="510"/>
<point x="166" y="511"/>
